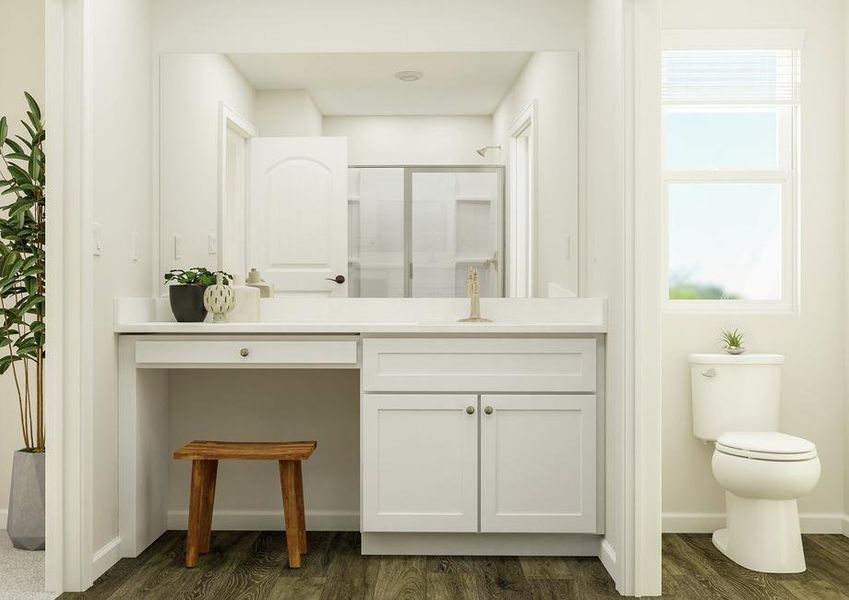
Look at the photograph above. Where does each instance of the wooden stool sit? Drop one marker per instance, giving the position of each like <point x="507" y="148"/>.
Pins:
<point x="205" y="457"/>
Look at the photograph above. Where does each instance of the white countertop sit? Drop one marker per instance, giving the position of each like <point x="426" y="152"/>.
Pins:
<point x="378" y="316"/>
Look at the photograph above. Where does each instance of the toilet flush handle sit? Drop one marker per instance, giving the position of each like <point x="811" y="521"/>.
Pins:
<point x="709" y="373"/>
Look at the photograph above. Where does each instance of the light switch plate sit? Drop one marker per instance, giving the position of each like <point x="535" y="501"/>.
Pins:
<point x="212" y="243"/>
<point x="134" y="247"/>
<point x="178" y="247"/>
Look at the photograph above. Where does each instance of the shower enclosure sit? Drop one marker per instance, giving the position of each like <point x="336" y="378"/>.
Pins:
<point x="415" y="231"/>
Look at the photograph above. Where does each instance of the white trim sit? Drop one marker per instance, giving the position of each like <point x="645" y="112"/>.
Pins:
<point x="480" y="544"/>
<point x="269" y="520"/>
<point x="106" y="557"/>
<point x="68" y="376"/>
<point x="643" y="408"/>
<point x="527" y="119"/>
<point x="228" y="118"/>
<point x="846" y="525"/>
<point x="692" y="39"/>
<point x="607" y="556"/>
<point x="710" y="522"/>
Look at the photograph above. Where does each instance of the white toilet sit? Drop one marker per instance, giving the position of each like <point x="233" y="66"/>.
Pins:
<point x="763" y="472"/>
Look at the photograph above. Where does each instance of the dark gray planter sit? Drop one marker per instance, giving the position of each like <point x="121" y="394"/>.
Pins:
<point x="25" y="524"/>
<point x="187" y="303"/>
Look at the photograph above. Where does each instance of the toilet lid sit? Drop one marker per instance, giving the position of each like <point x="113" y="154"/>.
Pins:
<point x="766" y="445"/>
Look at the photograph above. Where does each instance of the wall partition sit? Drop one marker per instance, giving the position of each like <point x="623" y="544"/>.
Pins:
<point x="415" y="231"/>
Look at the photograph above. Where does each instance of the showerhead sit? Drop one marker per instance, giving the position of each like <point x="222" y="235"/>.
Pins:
<point x="484" y="149"/>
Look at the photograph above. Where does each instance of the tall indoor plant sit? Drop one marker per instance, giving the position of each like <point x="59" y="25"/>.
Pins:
<point x="22" y="286"/>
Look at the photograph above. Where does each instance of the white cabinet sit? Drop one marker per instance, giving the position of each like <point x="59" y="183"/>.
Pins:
<point x="538" y="463"/>
<point x="516" y="453"/>
<point x="420" y="463"/>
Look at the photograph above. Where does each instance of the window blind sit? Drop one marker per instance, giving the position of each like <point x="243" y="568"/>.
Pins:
<point x="769" y="76"/>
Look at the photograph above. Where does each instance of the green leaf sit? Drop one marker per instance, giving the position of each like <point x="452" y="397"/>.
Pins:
<point x="4" y="130"/>
<point x="33" y="105"/>
<point x="15" y="146"/>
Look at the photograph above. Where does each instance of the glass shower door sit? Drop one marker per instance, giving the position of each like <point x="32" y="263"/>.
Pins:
<point x="456" y="223"/>
<point x="376" y="232"/>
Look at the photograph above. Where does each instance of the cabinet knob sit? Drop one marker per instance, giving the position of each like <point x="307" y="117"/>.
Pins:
<point x="488" y="410"/>
<point x="470" y="410"/>
<point x="244" y="352"/>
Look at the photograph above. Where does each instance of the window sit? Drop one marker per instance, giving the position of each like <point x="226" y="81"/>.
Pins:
<point x="730" y="178"/>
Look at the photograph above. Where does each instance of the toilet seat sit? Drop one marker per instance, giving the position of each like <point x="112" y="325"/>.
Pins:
<point x="766" y="445"/>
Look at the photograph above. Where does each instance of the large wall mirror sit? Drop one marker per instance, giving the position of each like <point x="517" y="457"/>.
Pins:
<point x="373" y="175"/>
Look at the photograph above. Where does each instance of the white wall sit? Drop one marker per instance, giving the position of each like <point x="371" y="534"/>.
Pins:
<point x="121" y="190"/>
<point x="22" y="68"/>
<point x="605" y="248"/>
<point x="279" y="113"/>
<point x="191" y="87"/>
<point x="367" y="26"/>
<point x="550" y="78"/>
<point x="813" y="380"/>
<point x="413" y="140"/>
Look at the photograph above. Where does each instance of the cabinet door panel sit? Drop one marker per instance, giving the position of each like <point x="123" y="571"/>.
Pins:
<point x="538" y="463"/>
<point x="419" y="465"/>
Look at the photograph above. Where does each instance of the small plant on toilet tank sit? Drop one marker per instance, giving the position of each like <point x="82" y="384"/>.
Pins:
<point x="732" y="340"/>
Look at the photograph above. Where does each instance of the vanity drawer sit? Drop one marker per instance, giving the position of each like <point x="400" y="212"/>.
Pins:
<point x="249" y="353"/>
<point x="479" y="365"/>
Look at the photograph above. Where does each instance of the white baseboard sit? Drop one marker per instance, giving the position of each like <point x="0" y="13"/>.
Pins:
<point x="710" y="522"/>
<point x="607" y="555"/>
<point x="272" y="520"/>
<point x="106" y="557"/>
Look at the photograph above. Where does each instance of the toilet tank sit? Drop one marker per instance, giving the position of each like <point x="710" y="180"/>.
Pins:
<point x="735" y="393"/>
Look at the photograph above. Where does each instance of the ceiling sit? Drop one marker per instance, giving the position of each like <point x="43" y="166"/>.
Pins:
<point x="464" y="83"/>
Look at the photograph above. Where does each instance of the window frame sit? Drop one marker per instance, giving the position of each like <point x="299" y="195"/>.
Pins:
<point x="786" y="175"/>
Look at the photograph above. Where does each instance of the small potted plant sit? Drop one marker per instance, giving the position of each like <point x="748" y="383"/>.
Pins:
<point x="733" y="341"/>
<point x="186" y="290"/>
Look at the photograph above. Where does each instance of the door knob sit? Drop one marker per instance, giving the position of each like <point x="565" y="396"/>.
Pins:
<point x="340" y="279"/>
<point x="244" y="352"/>
<point x="488" y="410"/>
<point x="470" y="410"/>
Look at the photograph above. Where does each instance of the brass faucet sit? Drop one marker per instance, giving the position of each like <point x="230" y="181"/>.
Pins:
<point x="473" y="290"/>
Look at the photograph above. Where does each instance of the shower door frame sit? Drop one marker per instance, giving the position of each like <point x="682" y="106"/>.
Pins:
<point x="409" y="171"/>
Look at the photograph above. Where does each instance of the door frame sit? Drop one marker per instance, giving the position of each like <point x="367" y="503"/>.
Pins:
<point x="526" y="124"/>
<point x="229" y="119"/>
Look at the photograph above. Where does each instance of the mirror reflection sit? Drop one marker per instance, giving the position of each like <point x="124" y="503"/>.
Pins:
<point x="373" y="175"/>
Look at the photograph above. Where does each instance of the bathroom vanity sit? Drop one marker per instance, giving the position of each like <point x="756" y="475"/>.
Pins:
<point x="475" y="438"/>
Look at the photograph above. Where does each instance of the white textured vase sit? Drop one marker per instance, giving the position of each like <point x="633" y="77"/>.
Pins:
<point x="219" y="299"/>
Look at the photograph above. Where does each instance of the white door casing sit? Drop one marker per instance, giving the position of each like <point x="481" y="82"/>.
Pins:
<point x="420" y="463"/>
<point x="298" y="233"/>
<point x="538" y="463"/>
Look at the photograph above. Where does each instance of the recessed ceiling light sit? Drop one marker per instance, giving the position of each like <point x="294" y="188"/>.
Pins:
<point x="409" y="75"/>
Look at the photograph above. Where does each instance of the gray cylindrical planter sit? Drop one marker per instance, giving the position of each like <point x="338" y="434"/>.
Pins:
<point x="25" y="524"/>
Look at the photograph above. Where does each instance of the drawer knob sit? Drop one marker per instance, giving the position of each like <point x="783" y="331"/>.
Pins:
<point x="244" y="352"/>
<point x="470" y="410"/>
<point x="488" y="410"/>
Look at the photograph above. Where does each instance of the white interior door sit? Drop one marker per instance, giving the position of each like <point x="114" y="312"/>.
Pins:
<point x="538" y="463"/>
<point x="298" y="234"/>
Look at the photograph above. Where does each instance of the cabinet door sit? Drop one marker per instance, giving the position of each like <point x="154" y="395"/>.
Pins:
<point x="538" y="463"/>
<point x="419" y="463"/>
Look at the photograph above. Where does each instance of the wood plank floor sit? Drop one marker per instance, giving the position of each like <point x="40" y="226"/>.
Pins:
<point x="252" y="565"/>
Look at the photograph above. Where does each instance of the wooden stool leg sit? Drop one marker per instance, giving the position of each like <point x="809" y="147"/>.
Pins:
<point x="299" y="496"/>
<point x="193" y="538"/>
<point x="290" y="512"/>
<point x="210" y="476"/>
